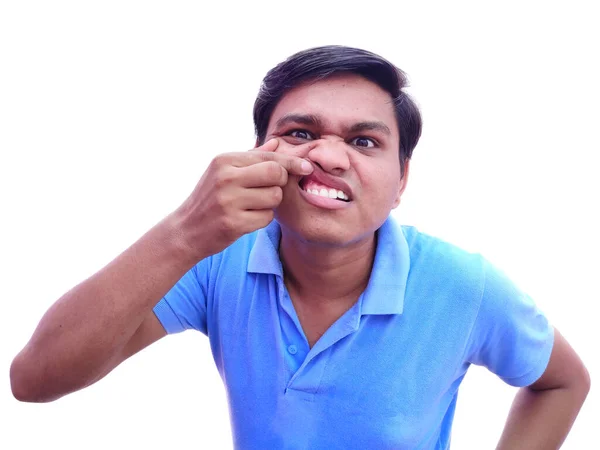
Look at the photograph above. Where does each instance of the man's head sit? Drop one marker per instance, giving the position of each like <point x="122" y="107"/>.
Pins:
<point x="323" y="62"/>
<point x="351" y="103"/>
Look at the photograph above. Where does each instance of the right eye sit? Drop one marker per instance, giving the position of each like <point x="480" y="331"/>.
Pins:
<point x="301" y="134"/>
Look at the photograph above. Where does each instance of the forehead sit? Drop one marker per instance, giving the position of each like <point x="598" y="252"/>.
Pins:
<point x="340" y="99"/>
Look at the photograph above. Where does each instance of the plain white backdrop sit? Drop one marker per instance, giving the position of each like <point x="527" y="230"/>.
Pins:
<point x="110" y="111"/>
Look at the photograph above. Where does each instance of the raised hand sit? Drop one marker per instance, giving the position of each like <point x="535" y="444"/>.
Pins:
<point x="236" y="195"/>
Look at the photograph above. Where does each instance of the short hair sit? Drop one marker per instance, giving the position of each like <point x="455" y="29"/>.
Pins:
<point x="321" y="62"/>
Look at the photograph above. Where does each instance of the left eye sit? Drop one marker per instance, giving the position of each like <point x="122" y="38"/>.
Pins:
<point x="363" y="142"/>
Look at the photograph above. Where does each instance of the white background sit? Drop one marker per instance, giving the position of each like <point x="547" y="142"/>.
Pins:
<point x="110" y="111"/>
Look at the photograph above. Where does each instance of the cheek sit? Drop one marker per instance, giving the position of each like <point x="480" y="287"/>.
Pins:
<point x="382" y="180"/>
<point x="383" y="194"/>
<point x="289" y="149"/>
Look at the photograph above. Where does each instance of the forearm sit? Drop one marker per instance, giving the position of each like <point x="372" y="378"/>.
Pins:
<point x="541" y="419"/>
<point x="80" y="334"/>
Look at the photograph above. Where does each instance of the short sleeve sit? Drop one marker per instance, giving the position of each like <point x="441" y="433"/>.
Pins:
<point x="184" y="306"/>
<point x="511" y="336"/>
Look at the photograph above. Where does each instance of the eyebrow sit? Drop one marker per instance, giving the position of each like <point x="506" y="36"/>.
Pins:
<point x="304" y="119"/>
<point x="370" y="126"/>
<point x="316" y="121"/>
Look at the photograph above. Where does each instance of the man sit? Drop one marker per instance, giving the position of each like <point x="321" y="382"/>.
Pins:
<point x="331" y="325"/>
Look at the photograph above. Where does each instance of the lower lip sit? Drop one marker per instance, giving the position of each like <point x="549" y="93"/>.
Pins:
<point x="323" y="202"/>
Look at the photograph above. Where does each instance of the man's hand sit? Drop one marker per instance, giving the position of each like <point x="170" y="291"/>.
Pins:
<point x="108" y="317"/>
<point x="236" y="195"/>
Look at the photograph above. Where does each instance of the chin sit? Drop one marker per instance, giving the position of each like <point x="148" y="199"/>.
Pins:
<point x="326" y="233"/>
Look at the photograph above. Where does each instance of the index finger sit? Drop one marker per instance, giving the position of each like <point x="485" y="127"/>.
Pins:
<point x="293" y="164"/>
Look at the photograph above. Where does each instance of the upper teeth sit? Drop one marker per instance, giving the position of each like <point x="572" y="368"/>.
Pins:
<point x="329" y="193"/>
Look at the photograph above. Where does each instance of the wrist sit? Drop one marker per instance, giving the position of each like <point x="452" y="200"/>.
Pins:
<point x="175" y="232"/>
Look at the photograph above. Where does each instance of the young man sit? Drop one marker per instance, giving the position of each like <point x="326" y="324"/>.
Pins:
<point x="331" y="325"/>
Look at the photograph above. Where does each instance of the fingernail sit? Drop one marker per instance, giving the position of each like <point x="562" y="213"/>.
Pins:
<point x="307" y="167"/>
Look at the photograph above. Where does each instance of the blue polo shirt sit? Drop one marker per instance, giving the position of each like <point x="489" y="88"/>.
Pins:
<point x="387" y="373"/>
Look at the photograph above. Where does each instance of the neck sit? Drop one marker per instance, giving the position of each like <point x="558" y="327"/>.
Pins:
<point x="319" y="273"/>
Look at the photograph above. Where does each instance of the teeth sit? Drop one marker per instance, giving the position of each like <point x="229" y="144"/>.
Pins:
<point x="329" y="193"/>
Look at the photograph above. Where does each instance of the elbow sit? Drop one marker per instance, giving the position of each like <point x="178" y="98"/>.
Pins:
<point x="580" y="385"/>
<point x="21" y="390"/>
<point x="586" y="382"/>
<point x="25" y="384"/>
<point x="581" y="380"/>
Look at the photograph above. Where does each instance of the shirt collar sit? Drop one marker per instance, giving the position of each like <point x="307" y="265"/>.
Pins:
<point x="264" y="256"/>
<point x="385" y="291"/>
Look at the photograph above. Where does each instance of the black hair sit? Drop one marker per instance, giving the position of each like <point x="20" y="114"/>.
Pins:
<point x="322" y="62"/>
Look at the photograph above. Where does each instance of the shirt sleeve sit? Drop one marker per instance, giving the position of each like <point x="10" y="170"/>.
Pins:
<point x="184" y="306"/>
<point x="511" y="336"/>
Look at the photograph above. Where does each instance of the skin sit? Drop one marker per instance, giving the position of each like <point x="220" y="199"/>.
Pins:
<point x="328" y="253"/>
<point x="366" y="160"/>
<point x="108" y="317"/>
<point x="327" y="250"/>
<point x="542" y="414"/>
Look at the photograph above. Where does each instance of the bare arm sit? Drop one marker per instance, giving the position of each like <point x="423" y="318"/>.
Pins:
<point x="108" y="317"/>
<point x="542" y="414"/>
<point x="85" y="333"/>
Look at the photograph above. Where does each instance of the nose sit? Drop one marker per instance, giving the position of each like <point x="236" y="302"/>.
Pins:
<point x="331" y="155"/>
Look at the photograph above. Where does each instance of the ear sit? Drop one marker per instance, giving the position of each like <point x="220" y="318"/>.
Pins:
<point x="402" y="185"/>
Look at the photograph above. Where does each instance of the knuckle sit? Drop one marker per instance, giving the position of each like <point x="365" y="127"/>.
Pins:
<point x="277" y="194"/>
<point x="220" y="160"/>
<point x="284" y="178"/>
<point x="266" y="156"/>
<point x="222" y="199"/>
<point x="225" y="176"/>
<point x="273" y="170"/>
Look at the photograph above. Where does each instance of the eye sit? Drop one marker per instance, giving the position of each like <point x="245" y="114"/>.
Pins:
<point x="365" y="142"/>
<point x="300" y="134"/>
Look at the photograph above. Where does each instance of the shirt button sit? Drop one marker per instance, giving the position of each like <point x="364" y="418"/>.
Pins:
<point x="292" y="349"/>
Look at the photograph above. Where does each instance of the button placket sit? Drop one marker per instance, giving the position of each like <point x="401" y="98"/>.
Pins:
<point x="293" y="349"/>
<point x="346" y="325"/>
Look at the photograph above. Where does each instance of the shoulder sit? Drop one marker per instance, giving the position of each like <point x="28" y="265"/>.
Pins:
<point x="433" y="257"/>
<point x="445" y="282"/>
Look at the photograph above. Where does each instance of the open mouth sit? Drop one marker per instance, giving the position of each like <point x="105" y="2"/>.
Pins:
<point x="315" y="188"/>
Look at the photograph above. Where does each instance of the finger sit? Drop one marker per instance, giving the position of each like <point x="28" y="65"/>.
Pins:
<point x="288" y="162"/>
<point x="263" y="174"/>
<point x="256" y="219"/>
<point x="260" y="198"/>
<point x="269" y="146"/>
<point x="293" y="164"/>
<point x="287" y="149"/>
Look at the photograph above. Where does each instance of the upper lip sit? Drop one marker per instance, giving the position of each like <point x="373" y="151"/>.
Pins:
<point x="320" y="176"/>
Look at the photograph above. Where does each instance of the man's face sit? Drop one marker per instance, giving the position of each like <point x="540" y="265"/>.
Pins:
<point x="355" y="160"/>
